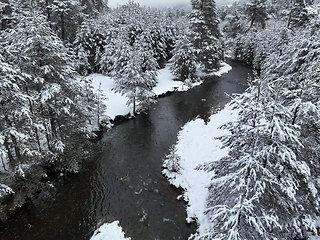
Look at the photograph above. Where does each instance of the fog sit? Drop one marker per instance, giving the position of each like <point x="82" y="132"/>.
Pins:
<point x="162" y="3"/>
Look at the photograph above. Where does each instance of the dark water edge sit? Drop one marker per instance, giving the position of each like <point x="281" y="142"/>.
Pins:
<point x="122" y="180"/>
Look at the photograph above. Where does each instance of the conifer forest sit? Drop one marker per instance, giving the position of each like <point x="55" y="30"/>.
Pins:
<point x="265" y="188"/>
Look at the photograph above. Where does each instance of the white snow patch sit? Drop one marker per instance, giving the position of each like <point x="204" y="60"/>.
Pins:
<point x="223" y="69"/>
<point x="197" y="144"/>
<point x="109" y="231"/>
<point x="116" y="104"/>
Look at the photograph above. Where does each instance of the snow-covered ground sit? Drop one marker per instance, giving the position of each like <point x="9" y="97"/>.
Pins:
<point x="110" y="231"/>
<point x="116" y="105"/>
<point x="203" y="148"/>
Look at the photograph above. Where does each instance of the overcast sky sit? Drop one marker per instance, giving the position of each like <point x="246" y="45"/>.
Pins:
<point x="161" y="3"/>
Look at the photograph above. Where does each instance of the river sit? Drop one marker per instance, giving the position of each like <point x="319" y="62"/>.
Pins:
<point x="122" y="180"/>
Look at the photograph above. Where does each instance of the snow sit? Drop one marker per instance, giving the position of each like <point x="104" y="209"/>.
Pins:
<point x="314" y="238"/>
<point x="117" y="104"/>
<point x="109" y="231"/>
<point x="223" y="69"/>
<point x="203" y="148"/>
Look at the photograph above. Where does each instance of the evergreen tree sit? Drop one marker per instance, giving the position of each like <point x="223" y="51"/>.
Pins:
<point x="267" y="186"/>
<point x="257" y="12"/>
<point x="297" y="67"/>
<point x="298" y="15"/>
<point x="134" y="73"/>
<point x="65" y="17"/>
<point x="89" y="46"/>
<point x="184" y="61"/>
<point x="205" y="34"/>
<point x="17" y="127"/>
<point x="55" y="94"/>
<point x="233" y="23"/>
<point x="255" y="193"/>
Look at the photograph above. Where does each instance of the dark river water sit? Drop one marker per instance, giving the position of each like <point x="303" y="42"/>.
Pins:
<point x="122" y="181"/>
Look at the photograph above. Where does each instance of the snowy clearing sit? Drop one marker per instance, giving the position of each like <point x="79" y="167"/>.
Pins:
<point x="109" y="231"/>
<point x="117" y="104"/>
<point x="203" y="148"/>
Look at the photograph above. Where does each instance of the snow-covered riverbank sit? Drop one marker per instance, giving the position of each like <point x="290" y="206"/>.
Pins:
<point x="117" y="104"/>
<point x="198" y="144"/>
<point x="109" y="231"/>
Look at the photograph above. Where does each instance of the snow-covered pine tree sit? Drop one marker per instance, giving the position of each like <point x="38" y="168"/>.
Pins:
<point x="232" y="20"/>
<point x="65" y="17"/>
<point x="257" y="11"/>
<point x="297" y="67"/>
<point x="205" y="34"/>
<point x="106" y="60"/>
<point x="56" y="94"/>
<point x="134" y="73"/>
<point x="19" y="136"/>
<point x="184" y="60"/>
<point x="253" y="194"/>
<point x="298" y="15"/>
<point x="89" y="45"/>
<point x="147" y="56"/>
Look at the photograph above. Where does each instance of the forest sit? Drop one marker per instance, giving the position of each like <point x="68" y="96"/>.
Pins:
<point x="266" y="188"/>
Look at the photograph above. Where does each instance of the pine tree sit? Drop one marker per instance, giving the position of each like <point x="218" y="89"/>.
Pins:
<point x="257" y="12"/>
<point x="233" y="23"/>
<point x="267" y="186"/>
<point x="205" y="34"/>
<point x="184" y="61"/>
<point x="255" y="192"/>
<point x="55" y="94"/>
<point x="297" y="66"/>
<point x="17" y="130"/>
<point x="134" y="72"/>
<point x="89" y="46"/>
<point x="298" y="15"/>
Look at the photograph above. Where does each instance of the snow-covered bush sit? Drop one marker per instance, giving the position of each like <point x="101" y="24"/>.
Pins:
<point x="172" y="161"/>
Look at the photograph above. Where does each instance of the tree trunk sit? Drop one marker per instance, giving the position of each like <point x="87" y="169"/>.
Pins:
<point x="3" y="164"/>
<point x="16" y="148"/>
<point x="289" y="19"/>
<point x="134" y="105"/>
<point x="48" y="13"/>
<point x="252" y="21"/>
<point x="10" y="155"/>
<point x="63" y="30"/>
<point x="53" y="123"/>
